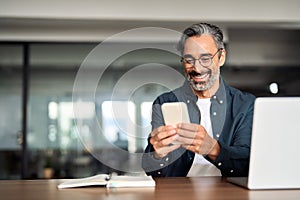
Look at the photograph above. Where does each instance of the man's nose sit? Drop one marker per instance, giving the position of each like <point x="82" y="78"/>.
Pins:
<point x="197" y="65"/>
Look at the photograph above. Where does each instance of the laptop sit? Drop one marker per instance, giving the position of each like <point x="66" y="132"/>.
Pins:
<point x="275" y="145"/>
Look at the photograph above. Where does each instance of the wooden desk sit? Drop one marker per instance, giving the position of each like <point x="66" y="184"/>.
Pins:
<point x="166" y="189"/>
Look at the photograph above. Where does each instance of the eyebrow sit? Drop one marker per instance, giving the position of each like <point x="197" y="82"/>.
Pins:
<point x="190" y="56"/>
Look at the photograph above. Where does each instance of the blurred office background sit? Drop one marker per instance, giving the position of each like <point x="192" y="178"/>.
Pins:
<point x="43" y="44"/>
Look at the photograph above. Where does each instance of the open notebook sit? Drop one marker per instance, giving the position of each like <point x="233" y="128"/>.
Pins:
<point x="109" y="181"/>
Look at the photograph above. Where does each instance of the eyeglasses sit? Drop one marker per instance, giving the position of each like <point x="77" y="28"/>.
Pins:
<point x="205" y="60"/>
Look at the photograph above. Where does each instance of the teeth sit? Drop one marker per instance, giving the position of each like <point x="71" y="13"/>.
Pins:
<point x="202" y="76"/>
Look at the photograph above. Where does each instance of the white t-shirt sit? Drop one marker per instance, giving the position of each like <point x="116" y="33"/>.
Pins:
<point x="201" y="166"/>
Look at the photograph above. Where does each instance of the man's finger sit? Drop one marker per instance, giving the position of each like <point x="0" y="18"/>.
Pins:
<point x="185" y="140"/>
<point x="161" y="129"/>
<point x="186" y="133"/>
<point x="190" y="127"/>
<point x="162" y="152"/>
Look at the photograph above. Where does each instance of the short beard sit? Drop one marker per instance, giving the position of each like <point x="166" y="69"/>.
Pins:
<point x="202" y="86"/>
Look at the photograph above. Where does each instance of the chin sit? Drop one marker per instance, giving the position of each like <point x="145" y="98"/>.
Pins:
<point x="199" y="86"/>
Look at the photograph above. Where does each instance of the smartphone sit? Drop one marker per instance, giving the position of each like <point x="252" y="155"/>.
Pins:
<point x="174" y="113"/>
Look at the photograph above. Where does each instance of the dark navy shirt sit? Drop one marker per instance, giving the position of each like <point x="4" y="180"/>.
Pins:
<point x="231" y="117"/>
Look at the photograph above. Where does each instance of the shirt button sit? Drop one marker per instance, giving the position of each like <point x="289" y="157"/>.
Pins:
<point x="158" y="172"/>
<point x="161" y="164"/>
<point x="215" y="97"/>
<point x="188" y="101"/>
<point x="219" y="164"/>
<point x="221" y="101"/>
<point x="231" y="171"/>
<point x="167" y="159"/>
<point x="218" y="135"/>
<point x="214" y="113"/>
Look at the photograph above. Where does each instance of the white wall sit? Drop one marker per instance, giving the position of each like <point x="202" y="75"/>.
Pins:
<point x="92" y="20"/>
<point x="169" y="10"/>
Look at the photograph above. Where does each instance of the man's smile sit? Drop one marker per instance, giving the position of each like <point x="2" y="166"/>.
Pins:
<point x="200" y="77"/>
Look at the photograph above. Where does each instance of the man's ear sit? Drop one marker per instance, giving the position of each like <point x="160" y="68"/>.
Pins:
<point x="222" y="57"/>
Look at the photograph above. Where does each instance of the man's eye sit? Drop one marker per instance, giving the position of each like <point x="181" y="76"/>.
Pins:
<point x="189" y="60"/>
<point x="205" y="59"/>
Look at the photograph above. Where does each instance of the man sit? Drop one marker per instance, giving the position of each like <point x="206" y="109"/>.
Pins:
<point x="217" y="141"/>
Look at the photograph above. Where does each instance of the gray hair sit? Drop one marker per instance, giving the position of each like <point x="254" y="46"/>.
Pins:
<point x="199" y="29"/>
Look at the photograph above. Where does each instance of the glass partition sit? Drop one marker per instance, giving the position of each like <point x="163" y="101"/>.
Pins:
<point x="11" y="110"/>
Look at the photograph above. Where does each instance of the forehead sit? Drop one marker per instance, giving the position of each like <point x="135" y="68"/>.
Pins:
<point x="199" y="44"/>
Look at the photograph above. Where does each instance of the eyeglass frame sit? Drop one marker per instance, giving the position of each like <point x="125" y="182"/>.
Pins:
<point x="183" y="59"/>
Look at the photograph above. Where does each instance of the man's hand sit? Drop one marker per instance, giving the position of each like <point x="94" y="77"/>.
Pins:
<point x="195" y="138"/>
<point x="161" y="138"/>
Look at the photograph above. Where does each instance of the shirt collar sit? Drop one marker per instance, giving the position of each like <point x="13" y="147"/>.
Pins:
<point x="220" y="95"/>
